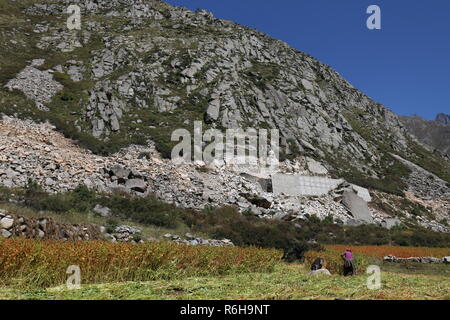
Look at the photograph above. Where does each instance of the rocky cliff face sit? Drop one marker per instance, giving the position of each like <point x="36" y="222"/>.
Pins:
<point x="443" y="118"/>
<point x="139" y="69"/>
<point x="433" y="133"/>
<point x="37" y="152"/>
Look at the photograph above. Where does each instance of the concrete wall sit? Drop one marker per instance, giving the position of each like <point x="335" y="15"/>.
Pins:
<point x="297" y="185"/>
<point x="362" y="193"/>
<point x="357" y="206"/>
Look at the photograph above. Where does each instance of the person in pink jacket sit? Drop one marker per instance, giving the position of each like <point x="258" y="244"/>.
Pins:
<point x="349" y="269"/>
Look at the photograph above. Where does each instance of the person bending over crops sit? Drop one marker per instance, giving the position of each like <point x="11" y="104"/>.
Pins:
<point x="349" y="268"/>
<point x="318" y="264"/>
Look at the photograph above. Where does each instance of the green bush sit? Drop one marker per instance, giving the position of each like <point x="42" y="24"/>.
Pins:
<point x="146" y="210"/>
<point x="248" y="230"/>
<point x="111" y="225"/>
<point x="243" y="229"/>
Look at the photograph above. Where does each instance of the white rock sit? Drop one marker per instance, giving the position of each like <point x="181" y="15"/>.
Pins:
<point x="5" y="233"/>
<point x="320" y="271"/>
<point x="6" y="223"/>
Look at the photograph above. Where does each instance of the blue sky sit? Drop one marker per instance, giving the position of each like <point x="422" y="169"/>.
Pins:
<point x="405" y="65"/>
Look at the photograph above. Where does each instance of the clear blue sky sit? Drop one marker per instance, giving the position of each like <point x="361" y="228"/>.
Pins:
<point x="405" y="65"/>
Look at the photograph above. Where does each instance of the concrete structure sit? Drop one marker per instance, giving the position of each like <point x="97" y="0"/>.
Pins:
<point x="316" y="167"/>
<point x="362" y="193"/>
<point x="357" y="206"/>
<point x="297" y="185"/>
<point x="390" y="223"/>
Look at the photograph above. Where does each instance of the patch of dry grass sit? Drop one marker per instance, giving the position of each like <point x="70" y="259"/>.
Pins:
<point x="287" y="282"/>
<point x="33" y="263"/>
<point x="401" y="252"/>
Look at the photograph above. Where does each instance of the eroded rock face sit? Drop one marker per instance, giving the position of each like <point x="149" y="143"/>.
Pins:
<point x="36" y="84"/>
<point x="433" y="133"/>
<point x="357" y="206"/>
<point x="232" y="76"/>
<point x="45" y="228"/>
<point x="424" y="183"/>
<point x="443" y="118"/>
<point x="35" y="151"/>
<point x="165" y="63"/>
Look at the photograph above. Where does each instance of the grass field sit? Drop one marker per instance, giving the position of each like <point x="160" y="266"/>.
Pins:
<point x="286" y="282"/>
<point x="37" y="270"/>
<point x="399" y="252"/>
<point x="41" y="264"/>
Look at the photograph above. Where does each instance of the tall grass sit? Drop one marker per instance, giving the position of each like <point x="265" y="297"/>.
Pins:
<point x="400" y="252"/>
<point x="334" y="261"/>
<point x="33" y="263"/>
<point x="364" y="255"/>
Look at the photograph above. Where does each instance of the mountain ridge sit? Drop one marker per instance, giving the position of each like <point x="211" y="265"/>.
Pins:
<point x="435" y="134"/>
<point x="139" y="69"/>
<point x="443" y="118"/>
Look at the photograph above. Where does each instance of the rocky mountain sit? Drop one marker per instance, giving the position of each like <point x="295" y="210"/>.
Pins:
<point x="139" y="69"/>
<point x="443" y="118"/>
<point x="433" y="133"/>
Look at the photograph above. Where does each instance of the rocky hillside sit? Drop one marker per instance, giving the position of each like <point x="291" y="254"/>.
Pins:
<point x="433" y="133"/>
<point x="139" y="69"/>
<point x="443" y="118"/>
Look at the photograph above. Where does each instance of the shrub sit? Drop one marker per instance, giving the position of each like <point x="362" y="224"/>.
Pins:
<point x="248" y="230"/>
<point x="146" y="210"/>
<point x="137" y="237"/>
<point x="329" y="219"/>
<point x="243" y="229"/>
<point x="111" y="225"/>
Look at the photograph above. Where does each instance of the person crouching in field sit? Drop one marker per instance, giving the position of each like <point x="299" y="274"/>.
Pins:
<point x="318" y="264"/>
<point x="319" y="267"/>
<point x="349" y="268"/>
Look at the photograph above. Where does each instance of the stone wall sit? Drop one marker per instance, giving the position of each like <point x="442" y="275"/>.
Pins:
<point x="46" y="228"/>
<point x="418" y="259"/>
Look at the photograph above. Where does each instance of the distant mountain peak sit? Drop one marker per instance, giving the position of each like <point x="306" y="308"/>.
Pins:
<point x="443" y="118"/>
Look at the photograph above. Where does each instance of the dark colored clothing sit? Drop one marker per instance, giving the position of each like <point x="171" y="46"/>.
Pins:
<point x="317" y="264"/>
<point x="349" y="269"/>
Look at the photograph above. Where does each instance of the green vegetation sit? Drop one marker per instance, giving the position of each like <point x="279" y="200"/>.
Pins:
<point x="397" y="206"/>
<point x="262" y="73"/>
<point x="157" y="217"/>
<point x="393" y="171"/>
<point x="430" y="161"/>
<point x="287" y="282"/>
<point x="294" y="151"/>
<point x="391" y="182"/>
<point x="67" y="107"/>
